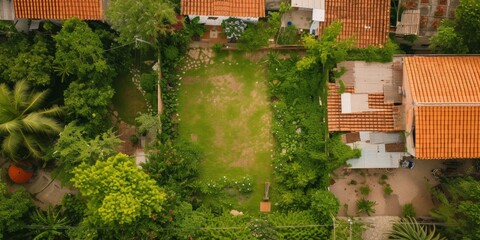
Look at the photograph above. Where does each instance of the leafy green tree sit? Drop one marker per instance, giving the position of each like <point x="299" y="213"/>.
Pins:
<point x="49" y="225"/>
<point x="146" y="19"/>
<point x="458" y="207"/>
<point x="447" y="40"/>
<point x="79" y="53"/>
<point x="80" y="61"/>
<point x="14" y="210"/>
<point x="468" y="23"/>
<point x="325" y="51"/>
<point x="324" y="205"/>
<point x="33" y="66"/>
<point x="365" y="206"/>
<point x="408" y="228"/>
<point x="462" y="35"/>
<point x="26" y="128"/>
<point x="75" y="146"/>
<point x="175" y="165"/>
<point x="117" y="191"/>
<point x="88" y="103"/>
<point x="253" y="38"/>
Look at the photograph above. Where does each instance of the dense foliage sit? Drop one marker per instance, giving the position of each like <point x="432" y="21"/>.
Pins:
<point x="462" y="35"/>
<point x="118" y="191"/>
<point x="459" y="207"/>
<point x="14" y="210"/>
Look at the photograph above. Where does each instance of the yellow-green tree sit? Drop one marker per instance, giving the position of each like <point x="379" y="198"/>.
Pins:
<point x="117" y="191"/>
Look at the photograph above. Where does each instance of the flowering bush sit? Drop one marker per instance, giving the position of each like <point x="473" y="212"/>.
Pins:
<point x="233" y="28"/>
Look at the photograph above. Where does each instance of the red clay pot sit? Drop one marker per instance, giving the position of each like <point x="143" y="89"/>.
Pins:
<point x="20" y="172"/>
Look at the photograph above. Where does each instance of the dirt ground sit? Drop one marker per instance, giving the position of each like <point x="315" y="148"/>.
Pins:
<point x="408" y="185"/>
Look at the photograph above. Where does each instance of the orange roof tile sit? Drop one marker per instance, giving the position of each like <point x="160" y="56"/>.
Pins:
<point x="446" y="132"/>
<point x="230" y="8"/>
<point x="382" y="119"/>
<point x="438" y="79"/>
<point x="368" y="21"/>
<point x="59" y="9"/>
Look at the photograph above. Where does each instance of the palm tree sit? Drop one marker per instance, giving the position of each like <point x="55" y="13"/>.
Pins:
<point x="25" y="127"/>
<point x="49" y="225"/>
<point x="409" y="229"/>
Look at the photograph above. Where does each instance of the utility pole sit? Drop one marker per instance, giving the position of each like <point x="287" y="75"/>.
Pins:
<point x="351" y="223"/>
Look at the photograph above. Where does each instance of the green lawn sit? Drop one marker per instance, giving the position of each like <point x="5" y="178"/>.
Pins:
<point x="224" y="108"/>
<point x="128" y="100"/>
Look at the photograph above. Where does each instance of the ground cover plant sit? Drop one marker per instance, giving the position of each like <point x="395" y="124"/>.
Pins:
<point x="224" y="109"/>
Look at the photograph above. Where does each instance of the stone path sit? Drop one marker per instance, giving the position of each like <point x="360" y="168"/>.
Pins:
<point x="379" y="227"/>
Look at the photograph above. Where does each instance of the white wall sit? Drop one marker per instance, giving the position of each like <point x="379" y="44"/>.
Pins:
<point x="219" y="20"/>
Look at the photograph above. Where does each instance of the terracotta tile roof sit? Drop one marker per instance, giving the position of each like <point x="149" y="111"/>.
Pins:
<point x="59" y="9"/>
<point x="445" y="132"/>
<point x="444" y="78"/>
<point x="446" y="99"/>
<point x="368" y="21"/>
<point x="382" y="119"/>
<point x="230" y="8"/>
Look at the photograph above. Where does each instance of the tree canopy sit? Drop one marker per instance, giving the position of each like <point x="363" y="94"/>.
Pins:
<point x="461" y="35"/>
<point x="118" y="192"/>
<point x="145" y="19"/>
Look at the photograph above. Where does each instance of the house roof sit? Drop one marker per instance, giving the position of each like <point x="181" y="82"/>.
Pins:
<point x="368" y="21"/>
<point x="444" y="79"/>
<point x="230" y="8"/>
<point x="446" y="99"/>
<point x="59" y="9"/>
<point x="383" y="117"/>
<point x="445" y="132"/>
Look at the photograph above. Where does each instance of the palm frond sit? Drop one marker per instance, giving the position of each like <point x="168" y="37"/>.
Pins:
<point x="20" y="94"/>
<point x="11" y="145"/>
<point x="33" y="146"/>
<point x="10" y="127"/>
<point x="37" y="123"/>
<point x="5" y="95"/>
<point x="53" y="111"/>
<point x="409" y="228"/>
<point x="34" y="103"/>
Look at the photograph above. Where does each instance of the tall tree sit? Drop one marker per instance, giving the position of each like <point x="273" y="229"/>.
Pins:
<point x="117" y="191"/>
<point x="80" y="61"/>
<point x="25" y="126"/>
<point x="145" y="19"/>
<point x="462" y="35"/>
<point x="34" y="65"/>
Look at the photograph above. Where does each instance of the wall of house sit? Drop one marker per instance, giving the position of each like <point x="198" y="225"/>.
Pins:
<point x="6" y="10"/>
<point x="217" y="20"/>
<point x="409" y="114"/>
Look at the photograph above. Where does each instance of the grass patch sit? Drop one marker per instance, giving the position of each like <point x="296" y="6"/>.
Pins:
<point x="224" y="108"/>
<point x="127" y="101"/>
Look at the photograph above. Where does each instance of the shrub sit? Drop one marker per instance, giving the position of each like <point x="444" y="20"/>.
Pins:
<point x="134" y="139"/>
<point x="217" y="47"/>
<point x="288" y="36"/>
<point x="408" y="211"/>
<point x="253" y="38"/>
<point x="383" y="179"/>
<point x="365" y="190"/>
<point x="387" y="190"/>
<point x="365" y="206"/>
<point x="352" y="182"/>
